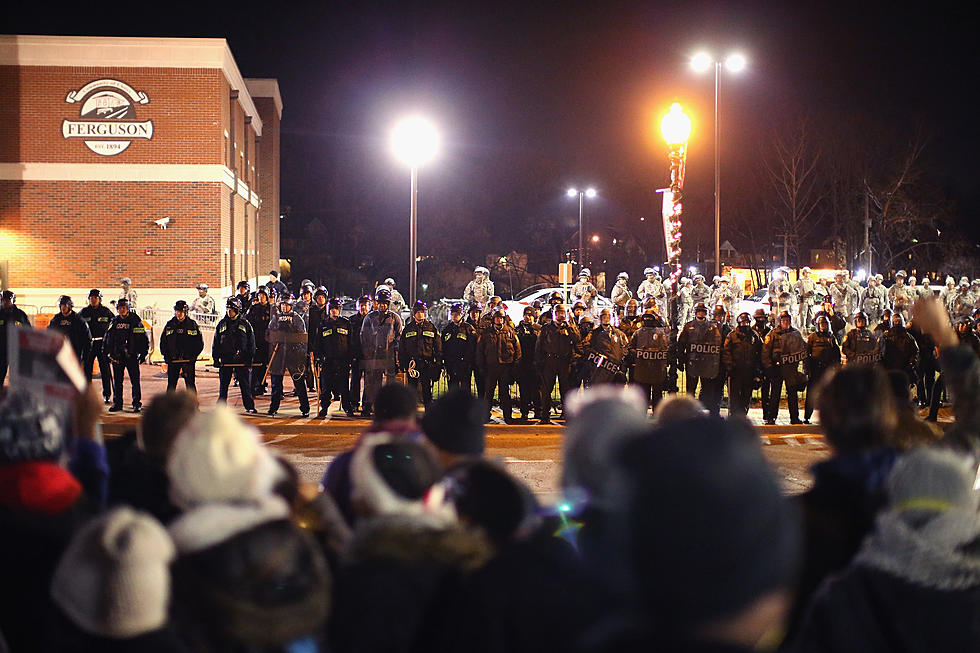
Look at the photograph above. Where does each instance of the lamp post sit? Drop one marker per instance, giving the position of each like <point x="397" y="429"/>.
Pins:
<point x="582" y="194"/>
<point x="734" y="63"/>
<point x="414" y="141"/>
<point x="676" y="130"/>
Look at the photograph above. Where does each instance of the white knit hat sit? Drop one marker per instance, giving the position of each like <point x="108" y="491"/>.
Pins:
<point x="114" y="578"/>
<point x="216" y="457"/>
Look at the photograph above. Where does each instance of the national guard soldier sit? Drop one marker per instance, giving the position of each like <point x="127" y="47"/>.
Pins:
<point x="631" y="320"/>
<point x="497" y="352"/>
<point x="782" y="354"/>
<point x="127" y="345"/>
<point x="526" y="374"/>
<point x="700" y="292"/>
<point x="128" y="294"/>
<point x="840" y="295"/>
<point x="332" y="352"/>
<point x="685" y="301"/>
<point x="780" y="284"/>
<point x="275" y="287"/>
<point x="651" y="287"/>
<point x="822" y="353"/>
<point x="232" y="351"/>
<point x="873" y="301"/>
<point x="459" y="349"/>
<point x="559" y="344"/>
<point x="356" y="371"/>
<point x="899" y="350"/>
<point x="783" y="302"/>
<point x="419" y="353"/>
<point x="605" y="348"/>
<point x="947" y="294"/>
<point x="480" y="289"/>
<point x="901" y="297"/>
<point x="97" y="317"/>
<point x="726" y="296"/>
<point x="10" y="315"/>
<point x="861" y="346"/>
<point x="741" y="358"/>
<point x="699" y="352"/>
<point x="288" y="337"/>
<point x="963" y="301"/>
<point x="806" y="297"/>
<point x="651" y="351"/>
<point x="621" y="292"/>
<point x="584" y="290"/>
<point x="180" y="344"/>
<point x="380" y="331"/>
<point x="397" y="301"/>
<point x="68" y="322"/>
<point x="203" y="303"/>
<point x="473" y="319"/>
<point x="259" y="315"/>
<point x="762" y="327"/>
<point x="244" y="296"/>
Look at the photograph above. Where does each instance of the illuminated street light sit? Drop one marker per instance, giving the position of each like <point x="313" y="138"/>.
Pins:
<point x="676" y="129"/>
<point x="414" y="142"/>
<point x="675" y="126"/>
<point x="734" y="63"/>
<point x="595" y="239"/>
<point x="590" y="193"/>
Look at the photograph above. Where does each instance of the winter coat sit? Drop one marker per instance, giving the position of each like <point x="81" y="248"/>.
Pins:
<point x="234" y="342"/>
<point x="287" y="339"/>
<point x="742" y="354"/>
<point x="822" y="351"/>
<point x="908" y="590"/>
<point x="356" y="322"/>
<point x="585" y="291"/>
<point x="314" y="316"/>
<point x="558" y="341"/>
<point x="459" y="348"/>
<point x="259" y="316"/>
<point x="527" y="334"/>
<point x="419" y="342"/>
<point x="139" y="480"/>
<point x="497" y="347"/>
<point x="621" y="294"/>
<point x="782" y="353"/>
<point x="181" y="340"/>
<point x="332" y="340"/>
<point x="900" y="352"/>
<point x="97" y="318"/>
<point x="379" y="339"/>
<point x="861" y="347"/>
<point x="126" y="338"/>
<point x="76" y="330"/>
<point x="478" y="292"/>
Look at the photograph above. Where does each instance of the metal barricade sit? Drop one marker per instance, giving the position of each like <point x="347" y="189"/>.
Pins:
<point x="156" y="319"/>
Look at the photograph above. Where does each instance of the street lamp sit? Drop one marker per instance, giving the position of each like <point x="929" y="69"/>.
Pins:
<point x="734" y="63"/>
<point x="676" y="130"/>
<point x="581" y="194"/>
<point x="414" y="141"/>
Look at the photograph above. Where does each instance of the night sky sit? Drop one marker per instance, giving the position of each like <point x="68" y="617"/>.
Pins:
<point x="533" y="97"/>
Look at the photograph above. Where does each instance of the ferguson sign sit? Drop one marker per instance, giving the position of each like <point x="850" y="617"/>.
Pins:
<point x="107" y="109"/>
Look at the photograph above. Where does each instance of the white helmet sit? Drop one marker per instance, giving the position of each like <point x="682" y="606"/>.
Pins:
<point x="647" y="271"/>
<point x="480" y="269"/>
<point x="585" y="272"/>
<point x="805" y="270"/>
<point x="623" y="275"/>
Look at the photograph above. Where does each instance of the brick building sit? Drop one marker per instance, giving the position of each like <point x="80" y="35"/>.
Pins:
<point x="143" y="157"/>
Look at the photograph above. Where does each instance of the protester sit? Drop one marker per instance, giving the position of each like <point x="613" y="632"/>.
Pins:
<point x="454" y="427"/>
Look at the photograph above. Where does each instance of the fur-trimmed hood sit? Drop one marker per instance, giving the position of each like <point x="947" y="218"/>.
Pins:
<point x="943" y="554"/>
<point x="418" y="539"/>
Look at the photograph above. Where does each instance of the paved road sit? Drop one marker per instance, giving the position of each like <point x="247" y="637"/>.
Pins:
<point x="532" y="453"/>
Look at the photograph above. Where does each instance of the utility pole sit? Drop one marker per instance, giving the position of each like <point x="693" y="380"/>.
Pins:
<point x="785" y="238"/>
<point x="867" y="228"/>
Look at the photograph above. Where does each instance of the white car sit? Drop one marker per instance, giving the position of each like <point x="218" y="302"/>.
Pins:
<point x="760" y="299"/>
<point x="515" y="307"/>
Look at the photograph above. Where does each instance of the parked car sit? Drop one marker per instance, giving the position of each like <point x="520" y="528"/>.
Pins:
<point x="515" y="307"/>
<point x="760" y="299"/>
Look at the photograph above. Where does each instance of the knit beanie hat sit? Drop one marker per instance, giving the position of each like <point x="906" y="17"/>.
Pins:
<point x="454" y="423"/>
<point x="390" y="477"/>
<point x="704" y="529"/>
<point x="114" y="578"/>
<point x="31" y="427"/>
<point x="218" y="458"/>
<point x="932" y="480"/>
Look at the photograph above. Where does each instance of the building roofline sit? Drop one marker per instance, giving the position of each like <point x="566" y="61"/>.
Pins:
<point x="265" y="87"/>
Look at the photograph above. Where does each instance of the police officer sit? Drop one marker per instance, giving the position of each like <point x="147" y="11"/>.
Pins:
<point x="126" y="344"/>
<point x="762" y="327"/>
<point x="397" y="301"/>
<point x="244" y="296"/>
<point x="837" y="323"/>
<point x="548" y="315"/>
<point x="782" y="354"/>
<point x="302" y="305"/>
<point x="380" y="332"/>
<point x="128" y="294"/>
<point x="288" y="337"/>
<point x="232" y="350"/>
<point x="822" y="354"/>
<point x="473" y="319"/>
<point x="259" y="315"/>
<point x="332" y="352"/>
<point x="180" y="344"/>
<point x="486" y="320"/>
<point x="97" y="317"/>
<point x="899" y="350"/>
<point x="605" y="349"/>
<point x="741" y="358"/>
<point x="631" y="320"/>
<point x="419" y="352"/>
<point x="621" y="292"/>
<point x="699" y="352"/>
<point x="806" y="298"/>
<point x="559" y="344"/>
<point x="497" y="352"/>
<point x="10" y="315"/>
<point x="459" y="349"/>
<point x="528" y="380"/>
<point x="364" y="305"/>
<point x="584" y="290"/>
<point x="68" y="322"/>
<point x="480" y="289"/>
<point x="861" y="345"/>
<point x="275" y="287"/>
<point x="203" y="303"/>
<point x="651" y="350"/>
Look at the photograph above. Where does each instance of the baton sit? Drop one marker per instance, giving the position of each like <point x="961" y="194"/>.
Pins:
<point x="269" y="366"/>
